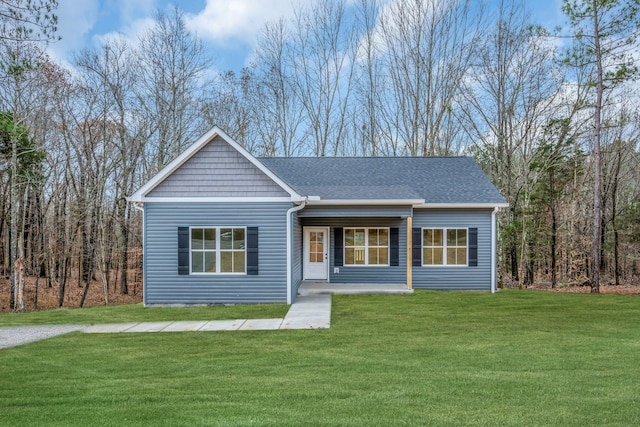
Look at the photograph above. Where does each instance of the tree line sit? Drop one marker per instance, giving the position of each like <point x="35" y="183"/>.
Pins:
<point x="550" y="114"/>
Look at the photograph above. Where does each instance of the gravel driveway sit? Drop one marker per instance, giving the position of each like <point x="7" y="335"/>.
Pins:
<point x="11" y="336"/>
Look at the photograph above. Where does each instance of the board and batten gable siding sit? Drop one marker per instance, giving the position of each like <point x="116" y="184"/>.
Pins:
<point x="164" y="286"/>
<point x="364" y="274"/>
<point x="456" y="277"/>
<point x="217" y="170"/>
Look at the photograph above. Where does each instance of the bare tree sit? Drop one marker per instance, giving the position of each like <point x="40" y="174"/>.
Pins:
<point x="230" y="104"/>
<point x="323" y="72"/>
<point x="277" y="107"/>
<point x="606" y="32"/>
<point x="174" y="66"/>
<point x="369" y="83"/>
<point x="114" y="70"/>
<point x="429" y="46"/>
<point x="509" y="97"/>
<point x="23" y="26"/>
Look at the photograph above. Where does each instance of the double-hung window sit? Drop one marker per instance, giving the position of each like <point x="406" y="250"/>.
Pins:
<point x="366" y="246"/>
<point x="444" y="246"/>
<point x="218" y="250"/>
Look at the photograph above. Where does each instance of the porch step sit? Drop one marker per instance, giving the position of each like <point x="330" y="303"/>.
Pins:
<point x="322" y="288"/>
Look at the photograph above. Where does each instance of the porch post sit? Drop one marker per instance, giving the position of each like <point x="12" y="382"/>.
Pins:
<point x="409" y="252"/>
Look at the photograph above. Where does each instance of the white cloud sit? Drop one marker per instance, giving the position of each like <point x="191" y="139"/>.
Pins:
<point x="129" y="32"/>
<point x="131" y="11"/>
<point x="76" y="19"/>
<point x="224" y="20"/>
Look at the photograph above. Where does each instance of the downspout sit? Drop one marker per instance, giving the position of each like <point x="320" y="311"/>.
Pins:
<point x="494" y="288"/>
<point x="140" y="207"/>
<point x="289" y="247"/>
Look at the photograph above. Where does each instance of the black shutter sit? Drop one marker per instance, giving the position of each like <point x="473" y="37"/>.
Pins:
<point x="416" y="247"/>
<point x="183" y="251"/>
<point x="338" y="244"/>
<point x="473" y="247"/>
<point x="252" y="251"/>
<point x="394" y="246"/>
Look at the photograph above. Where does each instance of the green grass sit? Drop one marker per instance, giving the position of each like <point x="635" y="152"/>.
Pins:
<point x="434" y="358"/>
<point x="138" y="313"/>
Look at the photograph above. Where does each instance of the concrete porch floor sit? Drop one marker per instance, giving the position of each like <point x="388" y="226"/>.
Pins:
<point x="311" y="287"/>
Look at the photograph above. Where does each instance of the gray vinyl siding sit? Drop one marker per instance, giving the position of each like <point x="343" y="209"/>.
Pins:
<point x="456" y="278"/>
<point x="162" y="283"/>
<point x="354" y="211"/>
<point x="365" y="274"/>
<point x="217" y="170"/>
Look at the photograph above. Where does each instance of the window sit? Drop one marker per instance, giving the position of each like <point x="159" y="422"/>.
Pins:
<point x="366" y="246"/>
<point x="218" y="250"/>
<point x="444" y="246"/>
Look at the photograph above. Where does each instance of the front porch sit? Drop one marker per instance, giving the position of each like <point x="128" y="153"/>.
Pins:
<point x="311" y="287"/>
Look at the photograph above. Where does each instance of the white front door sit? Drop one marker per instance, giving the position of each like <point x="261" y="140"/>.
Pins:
<point x="316" y="253"/>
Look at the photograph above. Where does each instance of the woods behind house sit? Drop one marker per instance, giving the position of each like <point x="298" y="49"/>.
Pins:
<point x="550" y="114"/>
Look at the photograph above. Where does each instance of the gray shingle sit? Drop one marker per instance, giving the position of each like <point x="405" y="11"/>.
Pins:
<point x="435" y="179"/>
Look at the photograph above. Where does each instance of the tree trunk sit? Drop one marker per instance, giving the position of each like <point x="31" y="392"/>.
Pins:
<point x="614" y="208"/>
<point x="124" y="243"/>
<point x="13" y="214"/>
<point x="18" y="269"/>
<point x="554" y="232"/>
<point x="87" y="284"/>
<point x="597" y="167"/>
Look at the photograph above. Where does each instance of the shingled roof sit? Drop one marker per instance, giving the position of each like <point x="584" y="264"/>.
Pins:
<point x="437" y="180"/>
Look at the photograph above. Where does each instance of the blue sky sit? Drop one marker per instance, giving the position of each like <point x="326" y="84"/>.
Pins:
<point x="230" y="27"/>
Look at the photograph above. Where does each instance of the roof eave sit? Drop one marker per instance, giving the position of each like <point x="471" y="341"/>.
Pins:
<point x="361" y="202"/>
<point x="461" y="205"/>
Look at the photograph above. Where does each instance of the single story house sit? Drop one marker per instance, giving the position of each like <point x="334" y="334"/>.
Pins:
<point x="222" y="226"/>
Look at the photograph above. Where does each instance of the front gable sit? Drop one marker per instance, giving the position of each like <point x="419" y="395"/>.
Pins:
<point x="217" y="170"/>
<point x="214" y="167"/>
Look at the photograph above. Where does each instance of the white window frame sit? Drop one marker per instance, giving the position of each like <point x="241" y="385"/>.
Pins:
<point x="366" y="246"/>
<point x="444" y="247"/>
<point x="218" y="251"/>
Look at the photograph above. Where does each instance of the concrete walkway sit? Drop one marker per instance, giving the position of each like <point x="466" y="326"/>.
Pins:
<point x="11" y="336"/>
<point x="308" y="312"/>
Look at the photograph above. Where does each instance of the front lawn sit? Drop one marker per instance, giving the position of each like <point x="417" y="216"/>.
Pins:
<point x="433" y="358"/>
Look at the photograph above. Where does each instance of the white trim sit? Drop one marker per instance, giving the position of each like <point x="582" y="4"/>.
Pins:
<point x="140" y="207"/>
<point x="218" y="252"/>
<point x="305" y="249"/>
<point x="139" y="195"/>
<point x="366" y="247"/>
<point x="217" y="199"/>
<point x="460" y="205"/>
<point x="289" y="216"/>
<point x="372" y="202"/>
<point x="493" y="251"/>
<point x="444" y="247"/>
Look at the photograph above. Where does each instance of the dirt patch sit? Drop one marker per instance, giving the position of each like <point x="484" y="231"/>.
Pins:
<point x="604" y="289"/>
<point x="629" y="287"/>
<point x="48" y="296"/>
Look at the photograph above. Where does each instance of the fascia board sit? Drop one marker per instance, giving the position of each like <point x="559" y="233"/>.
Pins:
<point x="460" y="205"/>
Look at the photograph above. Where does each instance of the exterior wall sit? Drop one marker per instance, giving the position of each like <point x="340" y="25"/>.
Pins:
<point x="163" y="285"/>
<point x="456" y="278"/>
<point x="365" y="274"/>
<point x="217" y="170"/>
